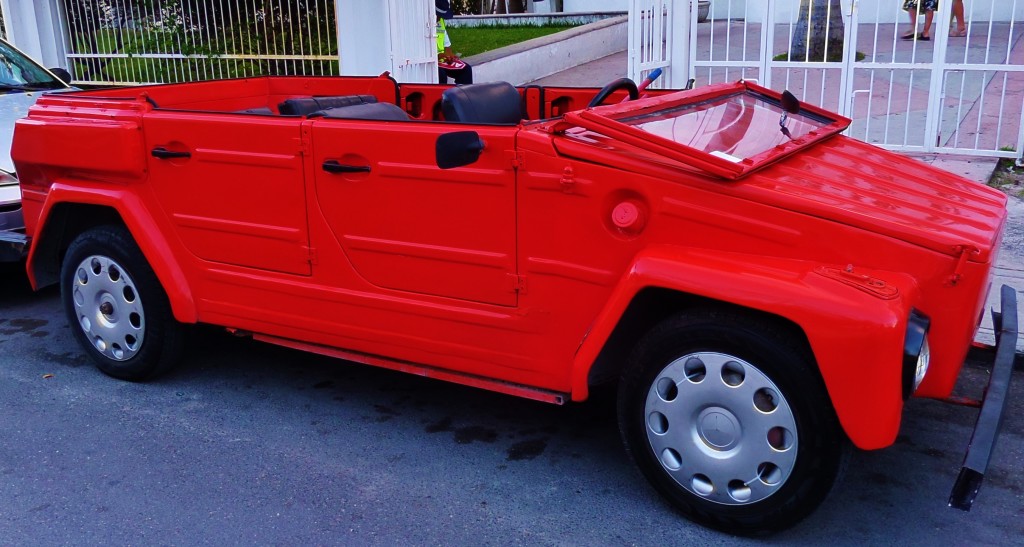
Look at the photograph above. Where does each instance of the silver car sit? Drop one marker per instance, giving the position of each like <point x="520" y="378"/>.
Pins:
<point x="22" y="80"/>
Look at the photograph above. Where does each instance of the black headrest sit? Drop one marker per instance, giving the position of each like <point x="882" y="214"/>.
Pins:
<point x="494" y="102"/>
<point x="304" y="106"/>
<point x="373" y="111"/>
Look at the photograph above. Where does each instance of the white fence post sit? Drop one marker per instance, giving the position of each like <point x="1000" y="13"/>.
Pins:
<point x="364" y="43"/>
<point x="376" y="36"/>
<point x="36" y="27"/>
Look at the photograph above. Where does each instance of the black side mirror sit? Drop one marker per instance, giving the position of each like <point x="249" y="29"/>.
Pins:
<point x="63" y="74"/>
<point x="458" y="149"/>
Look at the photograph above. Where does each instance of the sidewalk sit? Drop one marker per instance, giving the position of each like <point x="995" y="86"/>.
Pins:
<point x="1010" y="265"/>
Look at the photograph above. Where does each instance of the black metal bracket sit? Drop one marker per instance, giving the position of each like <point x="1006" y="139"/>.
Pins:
<point x="990" y="418"/>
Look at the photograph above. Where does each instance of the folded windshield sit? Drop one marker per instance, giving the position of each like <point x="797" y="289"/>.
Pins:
<point x="734" y="127"/>
<point x="725" y="129"/>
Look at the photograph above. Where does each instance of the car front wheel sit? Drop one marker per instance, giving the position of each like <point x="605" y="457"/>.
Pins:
<point x="116" y="306"/>
<point x="727" y="417"/>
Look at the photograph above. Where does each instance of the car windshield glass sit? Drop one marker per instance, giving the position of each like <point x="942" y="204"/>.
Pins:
<point x="734" y="127"/>
<point x="19" y="72"/>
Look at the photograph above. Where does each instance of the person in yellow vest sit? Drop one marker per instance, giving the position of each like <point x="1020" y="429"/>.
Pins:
<point x="448" y="64"/>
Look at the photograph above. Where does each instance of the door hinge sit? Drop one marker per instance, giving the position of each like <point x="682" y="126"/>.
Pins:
<point x="518" y="283"/>
<point x="515" y="158"/>
<point x="964" y="253"/>
<point x="568" y="181"/>
<point x="305" y="141"/>
<point x="311" y="256"/>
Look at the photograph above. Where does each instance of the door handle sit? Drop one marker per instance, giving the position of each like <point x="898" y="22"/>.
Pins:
<point x="164" y="154"/>
<point x="332" y="166"/>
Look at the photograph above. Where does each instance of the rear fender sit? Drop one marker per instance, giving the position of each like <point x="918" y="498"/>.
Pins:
<point x="856" y="335"/>
<point x="45" y="252"/>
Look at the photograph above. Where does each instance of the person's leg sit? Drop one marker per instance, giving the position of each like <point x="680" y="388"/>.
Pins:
<point x="958" y="17"/>
<point x="913" y="24"/>
<point x="928" y="16"/>
<point x="463" y="76"/>
<point x="442" y="76"/>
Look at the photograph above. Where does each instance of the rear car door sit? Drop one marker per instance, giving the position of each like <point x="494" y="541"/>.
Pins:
<point x="233" y="186"/>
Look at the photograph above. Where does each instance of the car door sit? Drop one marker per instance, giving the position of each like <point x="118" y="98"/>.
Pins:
<point x="233" y="185"/>
<point x="407" y="225"/>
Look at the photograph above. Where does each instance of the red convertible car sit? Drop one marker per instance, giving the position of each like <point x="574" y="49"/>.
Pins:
<point x="765" y="292"/>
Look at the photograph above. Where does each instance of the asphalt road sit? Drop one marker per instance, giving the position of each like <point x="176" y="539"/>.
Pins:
<point x="249" y="443"/>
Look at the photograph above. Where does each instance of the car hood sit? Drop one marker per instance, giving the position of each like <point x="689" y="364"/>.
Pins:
<point x="865" y="186"/>
<point x="13" y="106"/>
<point x="846" y="181"/>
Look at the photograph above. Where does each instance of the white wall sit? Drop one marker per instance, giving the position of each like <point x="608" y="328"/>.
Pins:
<point x="569" y="6"/>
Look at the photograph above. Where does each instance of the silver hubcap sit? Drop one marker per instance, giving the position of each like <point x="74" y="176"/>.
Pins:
<point x="721" y="428"/>
<point x="108" y="308"/>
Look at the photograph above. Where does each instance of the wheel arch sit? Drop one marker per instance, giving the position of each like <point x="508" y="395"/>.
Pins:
<point x="67" y="213"/>
<point x="653" y="305"/>
<point x="833" y="319"/>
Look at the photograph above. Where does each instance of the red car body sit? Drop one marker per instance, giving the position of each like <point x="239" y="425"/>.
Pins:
<point x="532" y="269"/>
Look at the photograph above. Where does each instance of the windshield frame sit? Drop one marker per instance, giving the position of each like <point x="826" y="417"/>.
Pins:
<point x="613" y="121"/>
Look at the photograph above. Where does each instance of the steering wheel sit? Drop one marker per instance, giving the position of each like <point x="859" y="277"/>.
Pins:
<point x="612" y="87"/>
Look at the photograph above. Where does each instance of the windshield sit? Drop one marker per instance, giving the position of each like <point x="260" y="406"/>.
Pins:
<point x="727" y="130"/>
<point x="18" y="71"/>
<point x="734" y="127"/>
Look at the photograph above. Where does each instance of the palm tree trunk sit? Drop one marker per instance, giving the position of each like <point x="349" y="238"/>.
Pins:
<point x="818" y="34"/>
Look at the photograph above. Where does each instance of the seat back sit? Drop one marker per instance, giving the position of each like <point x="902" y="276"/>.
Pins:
<point x="304" y="106"/>
<point x="492" y="103"/>
<point x="372" y="111"/>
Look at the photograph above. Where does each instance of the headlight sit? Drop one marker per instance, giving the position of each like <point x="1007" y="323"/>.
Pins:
<point x="916" y="353"/>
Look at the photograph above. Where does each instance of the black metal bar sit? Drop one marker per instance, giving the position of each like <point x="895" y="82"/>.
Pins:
<point x="333" y="166"/>
<point x="163" y="153"/>
<point x="990" y="418"/>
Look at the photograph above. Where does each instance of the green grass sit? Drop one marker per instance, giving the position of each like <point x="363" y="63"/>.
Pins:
<point x="466" y="41"/>
<point x="470" y="41"/>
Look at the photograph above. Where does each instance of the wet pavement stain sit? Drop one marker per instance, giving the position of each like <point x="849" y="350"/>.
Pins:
<point x="526" y="450"/>
<point x="440" y="426"/>
<point x="468" y="434"/>
<point x="70" y="359"/>
<point x="386" y="413"/>
<point x="17" y="326"/>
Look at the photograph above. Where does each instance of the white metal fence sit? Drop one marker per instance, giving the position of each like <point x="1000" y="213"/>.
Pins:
<point x="961" y="94"/>
<point x="145" y="41"/>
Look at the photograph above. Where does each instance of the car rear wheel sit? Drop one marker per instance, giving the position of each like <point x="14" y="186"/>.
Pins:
<point x="727" y="417"/>
<point x="116" y="306"/>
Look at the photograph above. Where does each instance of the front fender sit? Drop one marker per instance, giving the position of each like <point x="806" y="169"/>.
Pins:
<point x="856" y="335"/>
<point x="143" y="227"/>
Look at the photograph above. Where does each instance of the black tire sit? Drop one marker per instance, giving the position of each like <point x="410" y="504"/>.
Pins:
<point x="675" y="424"/>
<point x="116" y="307"/>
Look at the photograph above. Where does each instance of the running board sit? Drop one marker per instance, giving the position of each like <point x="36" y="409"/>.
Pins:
<point x="490" y="384"/>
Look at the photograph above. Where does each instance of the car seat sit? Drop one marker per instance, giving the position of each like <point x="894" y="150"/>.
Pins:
<point x="490" y="103"/>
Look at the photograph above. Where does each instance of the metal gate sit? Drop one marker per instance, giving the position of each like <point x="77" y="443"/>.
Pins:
<point x="127" y="41"/>
<point x="651" y="38"/>
<point x="950" y="93"/>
